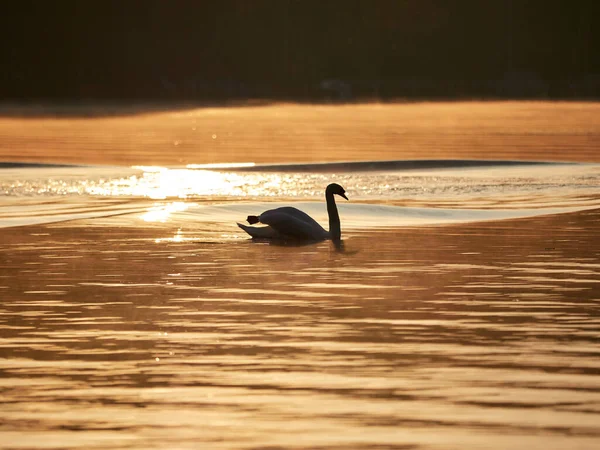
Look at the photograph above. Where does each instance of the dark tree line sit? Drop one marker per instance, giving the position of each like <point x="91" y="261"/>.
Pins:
<point x="294" y="49"/>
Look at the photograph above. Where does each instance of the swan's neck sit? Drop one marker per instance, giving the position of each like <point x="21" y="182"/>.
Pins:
<point x="335" y="229"/>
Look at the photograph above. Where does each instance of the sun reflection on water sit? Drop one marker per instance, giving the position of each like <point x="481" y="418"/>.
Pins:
<point x="183" y="182"/>
<point x="545" y="186"/>
<point x="177" y="237"/>
<point x="160" y="213"/>
<point x="160" y="183"/>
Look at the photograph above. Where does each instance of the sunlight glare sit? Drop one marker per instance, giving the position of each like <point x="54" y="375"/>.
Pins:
<point x="177" y="237"/>
<point x="161" y="183"/>
<point x="160" y="213"/>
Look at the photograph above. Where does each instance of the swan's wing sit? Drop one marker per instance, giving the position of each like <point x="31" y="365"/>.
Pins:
<point x="259" y="232"/>
<point x="291" y="222"/>
<point x="298" y="214"/>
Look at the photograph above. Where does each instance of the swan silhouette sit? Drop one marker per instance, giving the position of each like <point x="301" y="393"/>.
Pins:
<point x="291" y="223"/>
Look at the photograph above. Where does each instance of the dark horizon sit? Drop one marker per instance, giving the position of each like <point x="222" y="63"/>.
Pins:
<point x="302" y="51"/>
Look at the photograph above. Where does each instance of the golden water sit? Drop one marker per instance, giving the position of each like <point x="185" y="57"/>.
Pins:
<point x="567" y="131"/>
<point x="446" y="337"/>
<point x="135" y="314"/>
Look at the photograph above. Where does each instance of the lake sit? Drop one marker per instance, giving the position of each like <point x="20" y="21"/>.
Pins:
<point x="461" y="311"/>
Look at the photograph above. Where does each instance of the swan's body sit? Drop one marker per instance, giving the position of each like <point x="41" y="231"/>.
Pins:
<point x="291" y="223"/>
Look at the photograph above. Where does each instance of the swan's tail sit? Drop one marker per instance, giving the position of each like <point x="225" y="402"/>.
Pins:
<point x="259" y="232"/>
<point x="252" y="220"/>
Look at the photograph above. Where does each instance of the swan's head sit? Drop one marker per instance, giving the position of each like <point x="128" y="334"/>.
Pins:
<point x="335" y="188"/>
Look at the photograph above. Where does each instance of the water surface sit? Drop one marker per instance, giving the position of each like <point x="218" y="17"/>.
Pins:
<point x="462" y="311"/>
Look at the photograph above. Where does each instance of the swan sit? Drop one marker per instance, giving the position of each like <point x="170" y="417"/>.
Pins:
<point x="291" y="223"/>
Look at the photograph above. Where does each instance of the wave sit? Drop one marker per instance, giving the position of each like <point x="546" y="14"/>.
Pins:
<point x="363" y="166"/>
<point x="35" y="165"/>
<point x="337" y="166"/>
<point x="45" y="193"/>
<point x="190" y="215"/>
<point x="40" y="213"/>
<point x="362" y="215"/>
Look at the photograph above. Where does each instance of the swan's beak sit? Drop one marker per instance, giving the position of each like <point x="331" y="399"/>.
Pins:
<point x="344" y="195"/>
